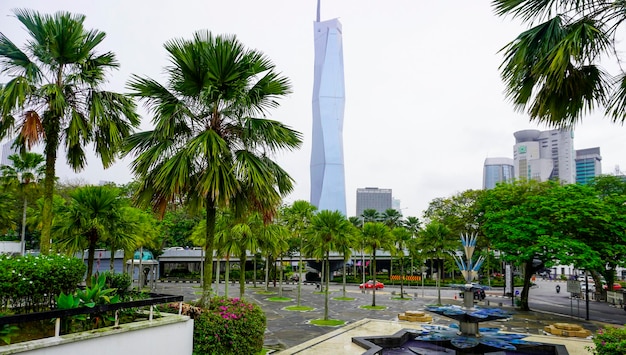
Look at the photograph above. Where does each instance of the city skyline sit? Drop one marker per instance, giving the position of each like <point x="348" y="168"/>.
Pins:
<point x="423" y="108"/>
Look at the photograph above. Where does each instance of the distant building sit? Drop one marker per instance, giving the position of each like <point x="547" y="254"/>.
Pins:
<point x="497" y="170"/>
<point x="395" y="204"/>
<point x="544" y="155"/>
<point x="588" y="165"/>
<point x="7" y="150"/>
<point x="373" y="198"/>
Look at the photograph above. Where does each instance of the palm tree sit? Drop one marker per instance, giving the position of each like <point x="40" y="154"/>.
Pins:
<point x="54" y="96"/>
<point x="376" y="235"/>
<point x="391" y="217"/>
<point x="27" y="170"/>
<point x="413" y="224"/>
<point x="435" y="239"/>
<point x="371" y="215"/>
<point x="211" y="141"/>
<point x="298" y="218"/>
<point x="327" y="229"/>
<point x="553" y="70"/>
<point x="93" y="214"/>
<point x="402" y="237"/>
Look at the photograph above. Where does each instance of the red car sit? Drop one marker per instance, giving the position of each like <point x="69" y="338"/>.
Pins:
<point x="616" y="287"/>
<point x="370" y="284"/>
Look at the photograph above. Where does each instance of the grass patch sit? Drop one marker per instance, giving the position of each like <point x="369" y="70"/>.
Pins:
<point x="373" y="308"/>
<point x="398" y="298"/>
<point x="280" y="299"/>
<point x="327" y="323"/>
<point x="265" y="292"/>
<point x="343" y="298"/>
<point x="322" y="292"/>
<point x="299" y="308"/>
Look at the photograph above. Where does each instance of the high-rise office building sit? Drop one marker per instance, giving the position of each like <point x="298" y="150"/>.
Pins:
<point x="544" y="155"/>
<point x="497" y="170"/>
<point x="588" y="164"/>
<point x="373" y="198"/>
<point x="328" y="188"/>
<point x="7" y="150"/>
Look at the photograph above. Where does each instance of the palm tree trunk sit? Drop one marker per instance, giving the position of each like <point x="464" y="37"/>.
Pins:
<point x="217" y="276"/>
<point x="242" y="274"/>
<point x="374" y="275"/>
<point x="51" y="129"/>
<point x="322" y="283"/>
<point x="267" y="272"/>
<point x="438" y="282"/>
<point x="327" y="264"/>
<point x="90" y="258"/>
<point x="402" y="277"/>
<point x="254" y="276"/>
<point x="23" y="238"/>
<point x="227" y="275"/>
<point x="344" y="278"/>
<point x="280" y="283"/>
<point x="209" y="240"/>
<point x="300" y="273"/>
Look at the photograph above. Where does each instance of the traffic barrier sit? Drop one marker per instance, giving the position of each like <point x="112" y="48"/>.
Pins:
<point x="406" y="278"/>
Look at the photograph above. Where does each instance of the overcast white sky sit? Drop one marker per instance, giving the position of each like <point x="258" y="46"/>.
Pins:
<point x="424" y="100"/>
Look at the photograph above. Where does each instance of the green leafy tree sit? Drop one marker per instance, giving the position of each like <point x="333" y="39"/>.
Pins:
<point x="297" y="218"/>
<point x="371" y="215"/>
<point x="376" y="236"/>
<point x="25" y="172"/>
<point x="211" y="141"/>
<point x="54" y="96"/>
<point x="536" y="224"/>
<point x="328" y="230"/>
<point x="552" y="70"/>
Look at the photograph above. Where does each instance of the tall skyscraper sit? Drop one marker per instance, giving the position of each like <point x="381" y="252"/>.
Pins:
<point x="588" y="164"/>
<point x="544" y="155"/>
<point x="7" y="150"/>
<point x="497" y="170"/>
<point x="328" y="190"/>
<point x="373" y="198"/>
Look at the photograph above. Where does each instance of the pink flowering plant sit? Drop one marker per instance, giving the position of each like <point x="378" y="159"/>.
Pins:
<point x="610" y="341"/>
<point x="229" y="326"/>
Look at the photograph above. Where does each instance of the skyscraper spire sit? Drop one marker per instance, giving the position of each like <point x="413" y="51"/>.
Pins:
<point x="318" y="10"/>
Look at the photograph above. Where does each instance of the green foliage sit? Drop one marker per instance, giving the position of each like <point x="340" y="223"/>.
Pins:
<point x="229" y="326"/>
<point x="119" y="281"/>
<point x="96" y="294"/>
<point x="31" y="283"/>
<point x="6" y="332"/>
<point x="610" y="341"/>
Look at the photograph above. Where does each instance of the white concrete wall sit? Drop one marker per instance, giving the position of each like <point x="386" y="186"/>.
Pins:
<point x="171" y="334"/>
<point x="10" y="247"/>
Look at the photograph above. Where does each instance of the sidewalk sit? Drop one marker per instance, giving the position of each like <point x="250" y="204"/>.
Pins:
<point x="286" y="329"/>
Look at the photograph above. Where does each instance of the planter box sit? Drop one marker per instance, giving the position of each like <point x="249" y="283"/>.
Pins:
<point x="169" y="334"/>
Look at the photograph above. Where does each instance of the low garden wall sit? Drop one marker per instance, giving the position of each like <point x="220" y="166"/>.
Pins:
<point x="168" y="334"/>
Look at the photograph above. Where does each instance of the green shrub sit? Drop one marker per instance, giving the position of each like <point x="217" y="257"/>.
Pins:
<point x="119" y="281"/>
<point x="31" y="283"/>
<point x="229" y="326"/>
<point x="610" y="341"/>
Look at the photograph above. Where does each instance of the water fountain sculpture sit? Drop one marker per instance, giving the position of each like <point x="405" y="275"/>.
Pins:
<point x="466" y="337"/>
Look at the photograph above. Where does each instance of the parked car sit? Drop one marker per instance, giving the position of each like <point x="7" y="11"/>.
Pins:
<point x="478" y="290"/>
<point x="370" y="284"/>
<point x="616" y="287"/>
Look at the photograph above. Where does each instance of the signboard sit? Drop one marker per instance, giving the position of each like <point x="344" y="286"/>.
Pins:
<point x="508" y="280"/>
<point x="573" y="286"/>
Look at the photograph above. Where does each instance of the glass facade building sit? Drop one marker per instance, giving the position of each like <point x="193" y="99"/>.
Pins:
<point x="328" y="191"/>
<point x="588" y="165"/>
<point x="497" y="170"/>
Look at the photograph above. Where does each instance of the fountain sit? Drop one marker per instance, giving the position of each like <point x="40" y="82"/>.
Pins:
<point x="466" y="337"/>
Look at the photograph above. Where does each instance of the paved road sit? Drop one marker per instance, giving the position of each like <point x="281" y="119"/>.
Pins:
<point x="287" y="328"/>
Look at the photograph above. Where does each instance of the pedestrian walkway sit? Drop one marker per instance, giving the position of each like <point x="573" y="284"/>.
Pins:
<point x="286" y="329"/>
